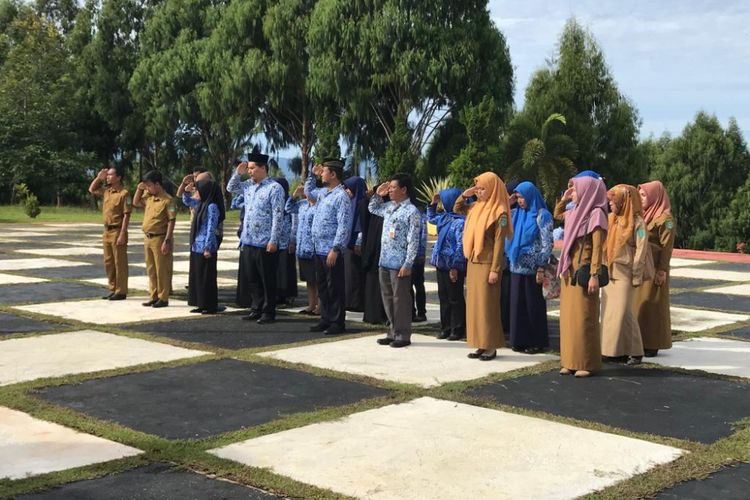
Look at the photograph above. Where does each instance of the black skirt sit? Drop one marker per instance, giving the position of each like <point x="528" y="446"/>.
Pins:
<point x="528" y="313"/>
<point x="355" y="281"/>
<point x="202" y="290"/>
<point x="374" y="309"/>
<point x="307" y="271"/>
<point x="286" y="275"/>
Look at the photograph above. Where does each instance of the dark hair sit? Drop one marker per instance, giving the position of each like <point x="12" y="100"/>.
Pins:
<point x="119" y="171"/>
<point x="200" y="170"/>
<point x="153" y="176"/>
<point x="339" y="171"/>
<point x="404" y="181"/>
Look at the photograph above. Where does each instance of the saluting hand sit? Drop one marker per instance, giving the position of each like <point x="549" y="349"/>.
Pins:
<point x="187" y="180"/>
<point x="383" y="189"/>
<point x="102" y="175"/>
<point x="242" y="168"/>
<point x="317" y="169"/>
<point x="299" y="192"/>
<point x="141" y="186"/>
<point x="472" y="191"/>
<point x="568" y="194"/>
<point x="435" y="199"/>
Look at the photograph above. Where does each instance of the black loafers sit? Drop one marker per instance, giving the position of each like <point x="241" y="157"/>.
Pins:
<point x="160" y="303"/>
<point x="475" y="354"/>
<point x="118" y="296"/>
<point x="385" y="341"/>
<point x="488" y="357"/>
<point x="400" y="343"/>
<point x="149" y="303"/>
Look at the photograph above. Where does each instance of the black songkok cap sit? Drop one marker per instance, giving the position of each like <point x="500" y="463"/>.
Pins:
<point x="258" y="158"/>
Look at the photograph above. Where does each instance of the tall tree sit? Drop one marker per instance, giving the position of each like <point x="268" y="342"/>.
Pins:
<point x="482" y="123"/>
<point x="603" y="123"/>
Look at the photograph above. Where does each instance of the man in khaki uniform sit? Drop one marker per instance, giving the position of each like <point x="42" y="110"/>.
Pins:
<point x="158" y="228"/>
<point x="116" y="208"/>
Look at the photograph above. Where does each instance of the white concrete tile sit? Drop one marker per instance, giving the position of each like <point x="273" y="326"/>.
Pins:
<point x="14" y="240"/>
<point x="12" y="279"/>
<point x="179" y="281"/>
<point x="429" y="448"/>
<point x="222" y="255"/>
<point x="17" y="233"/>
<point x="63" y="252"/>
<point x="724" y="356"/>
<point x="709" y="274"/>
<point x="83" y="351"/>
<point x="743" y="290"/>
<point x="428" y="362"/>
<point x="19" y="264"/>
<point x="183" y="266"/>
<point x="433" y="311"/>
<point x="111" y="312"/>
<point x="65" y="225"/>
<point x="677" y="262"/>
<point x="39" y="447"/>
<point x="696" y="320"/>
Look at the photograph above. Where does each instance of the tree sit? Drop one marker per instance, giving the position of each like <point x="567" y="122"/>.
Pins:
<point x="482" y="152"/>
<point x="447" y="142"/>
<point x="602" y="122"/>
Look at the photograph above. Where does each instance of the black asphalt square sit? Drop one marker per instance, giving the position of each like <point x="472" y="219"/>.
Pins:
<point x="687" y="283"/>
<point x="204" y="399"/>
<point x="729" y="483"/>
<point x="11" y="323"/>
<point x="720" y="301"/>
<point x="49" y="291"/>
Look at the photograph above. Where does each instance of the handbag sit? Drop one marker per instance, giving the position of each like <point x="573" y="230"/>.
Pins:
<point x="583" y="275"/>
<point x="551" y="281"/>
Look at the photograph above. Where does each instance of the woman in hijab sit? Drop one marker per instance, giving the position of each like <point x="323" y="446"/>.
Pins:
<point x="354" y="277"/>
<point x="450" y="263"/>
<point x="583" y="244"/>
<point x="368" y="244"/>
<point x="627" y="247"/>
<point x="286" y="273"/>
<point x="652" y="299"/>
<point x="505" y="277"/>
<point x="206" y="232"/>
<point x="487" y="226"/>
<point x="528" y="252"/>
<point x="299" y="206"/>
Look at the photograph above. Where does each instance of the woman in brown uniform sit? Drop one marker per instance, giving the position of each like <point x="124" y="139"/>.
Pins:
<point x="487" y="225"/>
<point x="627" y="249"/>
<point x="583" y="243"/>
<point x="652" y="300"/>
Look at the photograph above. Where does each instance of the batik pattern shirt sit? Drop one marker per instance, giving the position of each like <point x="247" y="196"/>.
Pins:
<point x="332" y="222"/>
<point x="205" y="239"/>
<point x="422" y="250"/>
<point x="538" y="257"/>
<point x="401" y="228"/>
<point x="264" y="210"/>
<point x="305" y="214"/>
<point x="451" y="255"/>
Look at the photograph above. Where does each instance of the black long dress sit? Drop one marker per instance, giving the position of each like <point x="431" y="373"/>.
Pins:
<point x="372" y="229"/>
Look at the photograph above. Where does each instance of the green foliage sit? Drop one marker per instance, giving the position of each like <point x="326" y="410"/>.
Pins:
<point x="28" y="200"/>
<point x="398" y="156"/>
<point x="482" y="123"/>
<point x="445" y="145"/>
<point x="430" y="187"/>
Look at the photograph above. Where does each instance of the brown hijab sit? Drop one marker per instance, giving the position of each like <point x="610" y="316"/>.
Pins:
<point x="483" y="213"/>
<point x="657" y="201"/>
<point x="621" y="225"/>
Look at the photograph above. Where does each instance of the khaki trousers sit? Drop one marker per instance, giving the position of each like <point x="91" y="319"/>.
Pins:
<point x="158" y="267"/>
<point x="115" y="262"/>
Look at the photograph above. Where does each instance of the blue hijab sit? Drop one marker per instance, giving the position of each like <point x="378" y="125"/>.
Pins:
<point x="358" y="187"/>
<point x="525" y="227"/>
<point x="448" y="197"/>
<point x="588" y="173"/>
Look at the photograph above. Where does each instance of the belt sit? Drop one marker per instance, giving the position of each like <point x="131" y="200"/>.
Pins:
<point x="112" y="226"/>
<point x="153" y="235"/>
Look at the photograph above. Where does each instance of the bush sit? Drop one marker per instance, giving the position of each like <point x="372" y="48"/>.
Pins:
<point x="28" y="199"/>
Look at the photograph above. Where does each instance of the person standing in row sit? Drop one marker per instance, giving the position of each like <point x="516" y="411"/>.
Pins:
<point x="399" y="247"/>
<point x="627" y="250"/>
<point x="286" y="273"/>
<point x="304" y="209"/>
<point x="116" y="208"/>
<point x="259" y="239"/>
<point x="652" y="299"/>
<point x="505" y="276"/>
<point x="583" y="245"/>
<point x="356" y="189"/>
<point x="487" y="227"/>
<point x="206" y="233"/>
<point x="528" y="252"/>
<point x="159" y="218"/>
<point x="418" y="292"/>
<point x="450" y="262"/>
<point x="331" y="226"/>
<point x="368" y="244"/>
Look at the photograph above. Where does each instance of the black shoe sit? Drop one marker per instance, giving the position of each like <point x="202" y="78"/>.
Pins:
<point x="456" y="336"/>
<point x="443" y="335"/>
<point x="475" y="354"/>
<point x="305" y="312"/>
<point x="488" y="357"/>
<point x="320" y="327"/>
<point x="160" y="303"/>
<point x="253" y="316"/>
<point x="517" y="349"/>
<point x="197" y="310"/>
<point x="634" y="360"/>
<point x="106" y="297"/>
<point x="385" y="341"/>
<point x="400" y="343"/>
<point x="650" y="353"/>
<point x="533" y="350"/>
<point x="333" y="330"/>
<point x="419" y="318"/>
<point x="266" y="320"/>
<point x="208" y="311"/>
<point x="118" y="296"/>
<point x="149" y="303"/>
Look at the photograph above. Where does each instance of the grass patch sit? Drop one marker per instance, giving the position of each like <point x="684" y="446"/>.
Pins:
<point x="14" y="214"/>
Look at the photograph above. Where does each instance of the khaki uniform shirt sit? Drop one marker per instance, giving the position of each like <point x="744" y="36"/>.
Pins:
<point x="115" y="204"/>
<point x="158" y="211"/>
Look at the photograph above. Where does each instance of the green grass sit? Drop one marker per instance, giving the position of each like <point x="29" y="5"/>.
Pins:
<point x="14" y="214"/>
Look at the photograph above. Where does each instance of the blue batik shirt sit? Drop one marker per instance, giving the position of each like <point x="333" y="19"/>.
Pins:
<point x="332" y="222"/>
<point x="422" y="250"/>
<point x="305" y="214"/>
<point x="451" y="255"/>
<point x="539" y="254"/>
<point x="285" y="238"/>
<point x="399" y="242"/>
<point x="205" y="239"/>
<point x="264" y="210"/>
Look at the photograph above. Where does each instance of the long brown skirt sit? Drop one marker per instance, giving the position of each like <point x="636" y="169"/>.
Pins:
<point x="620" y="333"/>
<point x="580" y="333"/>
<point x="652" y="310"/>
<point x="484" y="329"/>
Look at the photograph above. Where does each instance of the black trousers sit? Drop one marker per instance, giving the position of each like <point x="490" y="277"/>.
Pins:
<point x="202" y="289"/>
<point x="256" y="282"/>
<point x="331" y="291"/>
<point x="452" y="303"/>
<point x="418" y="294"/>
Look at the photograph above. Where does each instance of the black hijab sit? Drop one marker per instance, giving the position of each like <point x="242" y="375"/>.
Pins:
<point x="210" y="192"/>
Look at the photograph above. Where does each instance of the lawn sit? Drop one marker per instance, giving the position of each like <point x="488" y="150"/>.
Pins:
<point x="15" y="214"/>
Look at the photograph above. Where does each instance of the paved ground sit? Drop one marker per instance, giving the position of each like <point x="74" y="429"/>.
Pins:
<point x="112" y="400"/>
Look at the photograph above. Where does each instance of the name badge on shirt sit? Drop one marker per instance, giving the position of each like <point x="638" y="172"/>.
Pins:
<point x="392" y="233"/>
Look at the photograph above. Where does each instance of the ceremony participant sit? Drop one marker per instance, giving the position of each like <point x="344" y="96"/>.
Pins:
<point x="159" y="217"/>
<point x="331" y="226"/>
<point x="627" y="247"/>
<point x="583" y="249"/>
<point x="286" y="275"/>
<point x="116" y="208"/>
<point x="206" y="233"/>
<point x="259" y="240"/>
<point x="399" y="247"/>
<point x="356" y="188"/>
<point x="418" y="293"/>
<point x="487" y="226"/>
<point x="505" y="276"/>
<point x="304" y="209"/>
<point x="450" y="263"/>
<point x="652" y="298"/>
<point x="368" y="244"/>
<point x="528" y="252"/>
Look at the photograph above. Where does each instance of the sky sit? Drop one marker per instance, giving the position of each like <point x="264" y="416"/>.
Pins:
<point x="672" y="58"/>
